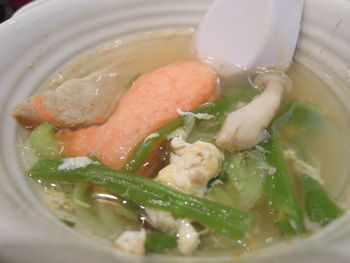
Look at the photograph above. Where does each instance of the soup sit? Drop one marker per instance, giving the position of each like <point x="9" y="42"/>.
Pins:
<point x="162" y="165"/>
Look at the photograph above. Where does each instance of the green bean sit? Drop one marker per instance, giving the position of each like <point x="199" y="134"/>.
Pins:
<point x="217" y="108"/>
<point x="157" y="242"/>
<point x="146" y="192"/>
<point x="142" y="150"/>
<point x="279" y="190"/>
<point x="319" y="206"/>
<point x="68" y="222"/>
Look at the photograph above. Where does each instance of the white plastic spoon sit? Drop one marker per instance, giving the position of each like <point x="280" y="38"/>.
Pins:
<point x="250" y="33"/>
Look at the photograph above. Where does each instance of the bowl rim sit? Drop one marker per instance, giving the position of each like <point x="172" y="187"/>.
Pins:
<point x="339" y="223"/>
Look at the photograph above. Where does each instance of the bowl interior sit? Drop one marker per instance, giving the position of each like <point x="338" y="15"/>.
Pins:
<point x="40" y="41"/>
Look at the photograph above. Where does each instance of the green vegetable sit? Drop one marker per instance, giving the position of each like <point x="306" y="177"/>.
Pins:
<point x="298" y="113"/>
<point x="319" y="207"/>
<point x="103" y="218"/>
<point x="43" y="142"/>
<point x="243" y="177"/>
<point x="303" y="118"/>
<point x="157" y="242"/>
<point x="67" y="222"/>
<point x="86" y="213"/>
<point x="146" y="192"/>
<point x="279" y="190"/>
<point x="113" y="219"/>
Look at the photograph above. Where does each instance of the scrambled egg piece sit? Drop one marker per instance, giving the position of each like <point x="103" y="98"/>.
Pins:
<point x="75" y="163"/>
<point x="163" y="221"/>
<point x="132" y="242"/>
<point x="191" y="166"/>
<point x="188" y="237"/>
<point x="190" y="169"/>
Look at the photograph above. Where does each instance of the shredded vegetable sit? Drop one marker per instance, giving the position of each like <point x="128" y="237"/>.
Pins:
<point x="43" y="142"/>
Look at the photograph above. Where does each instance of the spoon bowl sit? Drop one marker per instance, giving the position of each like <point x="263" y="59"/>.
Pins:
<point x="250" y="34"/>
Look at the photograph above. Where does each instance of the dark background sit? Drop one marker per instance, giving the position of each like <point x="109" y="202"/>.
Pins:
<point x="7" y="7"/>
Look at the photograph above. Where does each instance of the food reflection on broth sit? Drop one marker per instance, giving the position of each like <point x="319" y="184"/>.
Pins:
<point x="143" y="145"/>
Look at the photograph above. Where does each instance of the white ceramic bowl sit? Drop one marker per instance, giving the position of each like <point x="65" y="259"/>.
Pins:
<point x="40" y="40"/>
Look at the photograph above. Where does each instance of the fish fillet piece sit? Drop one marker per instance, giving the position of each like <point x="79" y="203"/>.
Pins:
<point x="149" y="104"/>
<point x="77" y="102"/>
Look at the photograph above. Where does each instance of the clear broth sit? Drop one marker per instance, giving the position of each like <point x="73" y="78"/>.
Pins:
<point x="150" y="51"/>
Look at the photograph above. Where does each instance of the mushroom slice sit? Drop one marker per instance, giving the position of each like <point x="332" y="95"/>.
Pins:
<point x="246" y="126"/>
